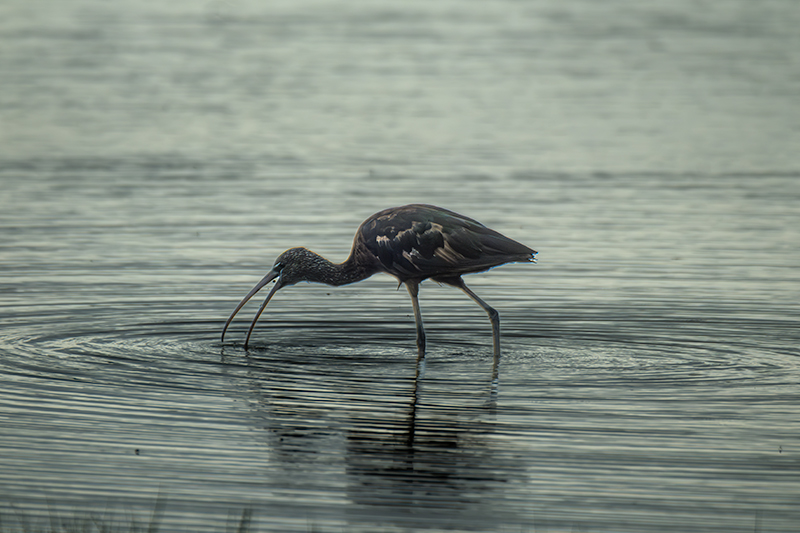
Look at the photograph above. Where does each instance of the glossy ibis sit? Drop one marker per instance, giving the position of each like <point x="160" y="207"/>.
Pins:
<point x="412" y="243"/>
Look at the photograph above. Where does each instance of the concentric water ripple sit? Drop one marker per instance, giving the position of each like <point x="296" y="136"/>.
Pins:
<point x="749" y="353"/>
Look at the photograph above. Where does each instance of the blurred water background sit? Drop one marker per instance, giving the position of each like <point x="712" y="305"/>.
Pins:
<point x="156" y="157"/>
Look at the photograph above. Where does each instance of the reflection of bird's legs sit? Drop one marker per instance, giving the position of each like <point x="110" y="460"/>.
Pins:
<point x="412" y="410"/>
<point x="413" y="291"/>
<point x="494" y="316"/>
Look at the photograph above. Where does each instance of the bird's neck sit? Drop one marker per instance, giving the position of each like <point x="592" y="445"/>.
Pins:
<point x="350" y="271"/>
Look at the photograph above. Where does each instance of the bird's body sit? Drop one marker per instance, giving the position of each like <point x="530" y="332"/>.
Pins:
<point x="412" y="243"/>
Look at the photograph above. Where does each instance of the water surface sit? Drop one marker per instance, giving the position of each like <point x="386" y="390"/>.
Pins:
<point x="155" y="160"/>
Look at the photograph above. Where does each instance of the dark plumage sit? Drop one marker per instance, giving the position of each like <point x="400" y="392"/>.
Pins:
<point x="412" y="243"/>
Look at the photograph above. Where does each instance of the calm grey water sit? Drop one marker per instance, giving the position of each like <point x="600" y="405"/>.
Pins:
<point x="156" y="157"/>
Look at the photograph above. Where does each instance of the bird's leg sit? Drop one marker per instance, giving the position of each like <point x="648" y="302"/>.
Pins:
<point x="494" y="316"/>
<point x="413" y="291"/>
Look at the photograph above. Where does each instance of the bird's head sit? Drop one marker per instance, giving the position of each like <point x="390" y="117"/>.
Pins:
<point x="289" y="268"/>
<point x="293" y="266"/>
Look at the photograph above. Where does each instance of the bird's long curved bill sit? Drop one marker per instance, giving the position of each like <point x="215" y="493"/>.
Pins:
<point x="266" y="279"/>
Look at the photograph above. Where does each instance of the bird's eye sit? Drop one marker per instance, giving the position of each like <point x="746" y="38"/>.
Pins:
<point x="278" y="267"/>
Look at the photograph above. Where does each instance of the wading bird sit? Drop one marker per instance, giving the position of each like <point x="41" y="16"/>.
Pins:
<point x="412" y="243"/>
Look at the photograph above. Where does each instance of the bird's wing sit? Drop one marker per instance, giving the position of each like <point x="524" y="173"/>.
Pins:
<point x="420" y="241"/>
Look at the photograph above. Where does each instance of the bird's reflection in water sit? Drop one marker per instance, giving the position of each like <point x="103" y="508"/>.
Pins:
<point x="439" y="457"/>
<point x="408" y="441"/>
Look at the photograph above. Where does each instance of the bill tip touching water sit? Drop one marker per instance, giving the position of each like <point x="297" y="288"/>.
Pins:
<point x="412" y="243"/>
